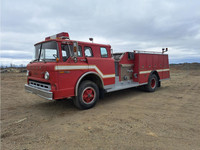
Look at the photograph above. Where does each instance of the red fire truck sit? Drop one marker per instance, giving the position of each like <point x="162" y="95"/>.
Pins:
<point x="65" y="68"/>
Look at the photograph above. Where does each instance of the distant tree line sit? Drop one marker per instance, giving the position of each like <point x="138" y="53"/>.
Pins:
<point x="13" y="66"/>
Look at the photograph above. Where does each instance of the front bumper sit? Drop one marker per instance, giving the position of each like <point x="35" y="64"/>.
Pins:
<point x="42" y="93"/>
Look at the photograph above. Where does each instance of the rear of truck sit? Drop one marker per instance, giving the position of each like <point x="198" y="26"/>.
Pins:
<point x="150" y="69"/>
<point x="148" y="63"/>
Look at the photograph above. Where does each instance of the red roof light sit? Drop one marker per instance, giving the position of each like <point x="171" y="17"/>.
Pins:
<point x="62" y="35"/>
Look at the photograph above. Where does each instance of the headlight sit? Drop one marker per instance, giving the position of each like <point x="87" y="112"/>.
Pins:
<point x="46" y="75"/>
<point x="27" y="73"/>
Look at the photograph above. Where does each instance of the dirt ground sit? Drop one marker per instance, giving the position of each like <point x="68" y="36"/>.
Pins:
<point x="130" y="119"/>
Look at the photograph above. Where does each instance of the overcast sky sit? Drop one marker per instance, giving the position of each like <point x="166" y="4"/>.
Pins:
<point x="125" y="24"/>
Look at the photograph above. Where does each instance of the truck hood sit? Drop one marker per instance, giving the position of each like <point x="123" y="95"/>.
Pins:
<point x="38" y="69"/>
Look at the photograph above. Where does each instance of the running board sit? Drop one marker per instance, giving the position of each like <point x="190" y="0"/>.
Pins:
<point x="121" y="85"/>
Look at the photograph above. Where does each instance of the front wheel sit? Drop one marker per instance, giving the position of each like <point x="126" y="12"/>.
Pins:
<point x="88" y="95"/>
<point x="152" y="83"/>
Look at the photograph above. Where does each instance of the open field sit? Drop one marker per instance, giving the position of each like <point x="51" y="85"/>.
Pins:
<point x="130" y="119"/>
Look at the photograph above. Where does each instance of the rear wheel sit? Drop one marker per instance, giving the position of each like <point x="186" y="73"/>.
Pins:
<point x="88" y="95"/>
<point x="152" y="83"/>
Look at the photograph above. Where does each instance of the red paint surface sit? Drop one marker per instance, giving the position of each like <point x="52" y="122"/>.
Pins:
<point x="63" y="82"/>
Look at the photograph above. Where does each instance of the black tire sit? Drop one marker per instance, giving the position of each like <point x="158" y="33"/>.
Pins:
<point x="152" y="83"/>
<point x="101" y="93"/>
<point x="88" y="95"/>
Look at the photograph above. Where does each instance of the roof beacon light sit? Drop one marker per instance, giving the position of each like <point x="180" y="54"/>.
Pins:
<point x="91" y="39"/>
<point x="62" y="35"/>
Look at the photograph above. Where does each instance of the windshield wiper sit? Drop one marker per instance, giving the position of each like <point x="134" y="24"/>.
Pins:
<point x="34" y="60"/>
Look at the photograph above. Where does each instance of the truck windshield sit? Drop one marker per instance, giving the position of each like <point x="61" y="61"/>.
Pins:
<point x="46" y="51"/>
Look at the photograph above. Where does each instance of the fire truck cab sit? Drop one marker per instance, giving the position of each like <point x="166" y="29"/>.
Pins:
<point x="66" y="68"/>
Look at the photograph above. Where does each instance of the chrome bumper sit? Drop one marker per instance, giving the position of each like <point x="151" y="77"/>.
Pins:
<point x="42" y="93"/>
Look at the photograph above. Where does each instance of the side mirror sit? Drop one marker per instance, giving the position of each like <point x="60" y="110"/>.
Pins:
<point x="75" y="48"/>
<point x="111" y="50"/>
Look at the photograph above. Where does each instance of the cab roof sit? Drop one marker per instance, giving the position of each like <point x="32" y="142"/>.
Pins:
<point x="70" y="41"/>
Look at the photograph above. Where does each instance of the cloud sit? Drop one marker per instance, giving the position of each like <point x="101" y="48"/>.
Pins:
<point x="14" y="61"/>
<point x="16" y="54"/>
<point x="126" y="25"/>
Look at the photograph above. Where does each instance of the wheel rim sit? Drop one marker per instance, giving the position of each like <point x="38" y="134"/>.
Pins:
<point x="153" y="83"/>
<point x="88" y="95"/>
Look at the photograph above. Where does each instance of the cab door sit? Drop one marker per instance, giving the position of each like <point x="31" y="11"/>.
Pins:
<point x="70" y="70"/>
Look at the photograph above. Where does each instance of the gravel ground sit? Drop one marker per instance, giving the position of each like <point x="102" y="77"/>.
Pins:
<point x="129" y="119"/>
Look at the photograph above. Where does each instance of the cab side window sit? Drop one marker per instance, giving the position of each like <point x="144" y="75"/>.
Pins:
<point x="88" y="52"/>
<point x="66" y="51"/>
<point x="104" y="52"/>
<point x="80" y="51"/>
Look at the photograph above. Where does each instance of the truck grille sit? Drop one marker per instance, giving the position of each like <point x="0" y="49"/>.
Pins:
<point x="40" y="85"/>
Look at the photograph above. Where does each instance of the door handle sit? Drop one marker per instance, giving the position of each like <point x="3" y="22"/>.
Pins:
<point x="83" y="60"/>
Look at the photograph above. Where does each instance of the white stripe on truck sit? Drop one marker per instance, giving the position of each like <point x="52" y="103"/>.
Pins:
<point x="149" y="71"/>
<point x="83" y="67"/>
